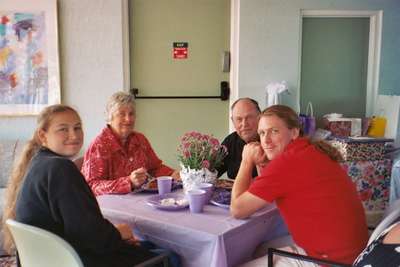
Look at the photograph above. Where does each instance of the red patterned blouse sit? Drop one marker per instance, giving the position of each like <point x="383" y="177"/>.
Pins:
<point x="107" y="164"/>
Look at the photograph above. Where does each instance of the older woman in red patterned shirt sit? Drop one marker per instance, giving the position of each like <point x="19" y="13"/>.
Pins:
<point x="118" y="160"/>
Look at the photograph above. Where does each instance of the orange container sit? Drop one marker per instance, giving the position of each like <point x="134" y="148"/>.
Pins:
<point x="377" y="127"/>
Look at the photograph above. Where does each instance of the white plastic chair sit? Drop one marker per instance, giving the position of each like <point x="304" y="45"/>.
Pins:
<point x="40" y="248"/>
<point x="391" y="214"/>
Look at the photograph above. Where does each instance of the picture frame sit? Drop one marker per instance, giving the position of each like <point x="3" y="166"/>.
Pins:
<point x="29" y="57"/>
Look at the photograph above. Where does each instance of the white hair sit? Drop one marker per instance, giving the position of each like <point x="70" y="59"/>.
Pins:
<point x="118" y="100"/>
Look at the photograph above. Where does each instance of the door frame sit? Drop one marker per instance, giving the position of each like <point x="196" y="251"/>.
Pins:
<point x="125" y="46"/>
<point x="374" y="47"/>
<point x="234" y="57"/>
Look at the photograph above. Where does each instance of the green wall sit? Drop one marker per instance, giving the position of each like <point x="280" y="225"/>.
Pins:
<point x="334" y="65"/>
<point x="155" y="25"/>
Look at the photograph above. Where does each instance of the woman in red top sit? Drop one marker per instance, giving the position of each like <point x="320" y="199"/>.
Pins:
<point x="316" y="198"/>
<point x="118" y="160"/>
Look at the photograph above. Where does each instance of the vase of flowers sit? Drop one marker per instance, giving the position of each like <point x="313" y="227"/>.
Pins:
<point x="199" y="156"/>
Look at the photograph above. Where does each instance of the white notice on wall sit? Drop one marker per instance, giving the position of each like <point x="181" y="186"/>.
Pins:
<point x="389" y="107"/>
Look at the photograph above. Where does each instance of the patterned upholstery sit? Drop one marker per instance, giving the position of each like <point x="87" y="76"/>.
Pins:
<point x="7" y="154"/>
<point x="9" y="151"/>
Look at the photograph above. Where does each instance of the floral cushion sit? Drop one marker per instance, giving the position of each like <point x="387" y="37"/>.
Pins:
<point x="372" y="179"/>
<point x="357" y="151"/>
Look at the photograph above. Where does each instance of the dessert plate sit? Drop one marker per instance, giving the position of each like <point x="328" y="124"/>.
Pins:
<point x="221" y="198"/>
<point x="170" y="201"/>
<point x="224" y="183"/>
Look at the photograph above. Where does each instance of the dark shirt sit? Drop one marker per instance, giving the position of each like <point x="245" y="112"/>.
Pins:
<point x="54" y="196"/>
<point x="232" y="161"/>
<point x="378" y="254"/>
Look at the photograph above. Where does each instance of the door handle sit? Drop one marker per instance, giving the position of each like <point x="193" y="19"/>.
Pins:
<point x="224" y="94"/>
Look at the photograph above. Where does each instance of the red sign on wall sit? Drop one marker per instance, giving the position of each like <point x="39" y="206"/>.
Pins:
<point x="180" y="50"/>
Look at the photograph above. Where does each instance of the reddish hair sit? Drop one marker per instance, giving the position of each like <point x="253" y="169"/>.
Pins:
<point x="292" y="121"/>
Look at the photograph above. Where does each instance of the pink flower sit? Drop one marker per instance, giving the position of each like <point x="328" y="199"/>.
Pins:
<point x="198" y="151"/>
<point x="195" y="134"/>
<point x="186" y="154"/>
<point x="214" y="142"/>
<point x="205" y="164"/>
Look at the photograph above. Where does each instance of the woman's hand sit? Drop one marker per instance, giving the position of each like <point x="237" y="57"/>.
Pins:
<point x="126" y="233"/>
<point x="254" y="154"/>
<point x="124" y="230"/>
<point x="176" y="175"/>
<point x="138" y="177"/>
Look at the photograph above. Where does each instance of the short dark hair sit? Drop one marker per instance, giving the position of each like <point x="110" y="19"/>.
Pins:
<point x="254" y="102"/>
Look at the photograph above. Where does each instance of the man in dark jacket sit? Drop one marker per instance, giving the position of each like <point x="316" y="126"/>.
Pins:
<point x="245" y="115"/>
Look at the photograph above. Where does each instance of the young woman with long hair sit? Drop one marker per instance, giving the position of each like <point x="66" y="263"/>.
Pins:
<point x="316" y="198"/>
<point x="47" y="190"/>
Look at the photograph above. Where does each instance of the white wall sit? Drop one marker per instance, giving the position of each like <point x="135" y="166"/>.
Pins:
<point x="91" y="64"/>
<point x="268" y="46"/>
<point x="389" y="107"/>
<point x="91" y="56"/>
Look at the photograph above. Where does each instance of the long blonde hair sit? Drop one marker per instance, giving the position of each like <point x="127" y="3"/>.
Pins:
<point x="290" y="118"/>
<point x="20" y="166"/>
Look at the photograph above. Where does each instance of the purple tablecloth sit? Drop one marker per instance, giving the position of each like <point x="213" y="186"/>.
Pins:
<point x="212" y="238"/>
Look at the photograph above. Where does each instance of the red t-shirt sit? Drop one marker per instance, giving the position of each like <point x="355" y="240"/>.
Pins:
<point x="317" y="200"/>
<point x="107" y="164"/>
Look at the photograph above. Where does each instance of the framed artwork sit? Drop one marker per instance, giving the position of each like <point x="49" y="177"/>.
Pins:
<point x="29" y="61"/>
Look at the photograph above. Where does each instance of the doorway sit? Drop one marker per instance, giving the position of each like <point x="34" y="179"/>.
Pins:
<point x="334" y="65"/>
<point x="204" y="26"/>
<point x="340" y="61"/>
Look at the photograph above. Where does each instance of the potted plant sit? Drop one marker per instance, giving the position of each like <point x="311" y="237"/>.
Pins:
<point x="199" y="156"/>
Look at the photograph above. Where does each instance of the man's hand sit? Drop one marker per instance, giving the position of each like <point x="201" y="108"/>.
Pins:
<point x="176" y="175"/>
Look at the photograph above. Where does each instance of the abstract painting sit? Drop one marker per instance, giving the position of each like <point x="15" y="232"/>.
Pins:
<point x="27" y="83"/>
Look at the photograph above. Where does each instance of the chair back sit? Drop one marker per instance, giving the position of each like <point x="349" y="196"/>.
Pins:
<point x="40" y="248"/>
<point x="393" y="206"/>
<point x="390" y="215"/>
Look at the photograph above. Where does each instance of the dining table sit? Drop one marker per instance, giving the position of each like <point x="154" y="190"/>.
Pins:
<point x="212" y="238"/>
